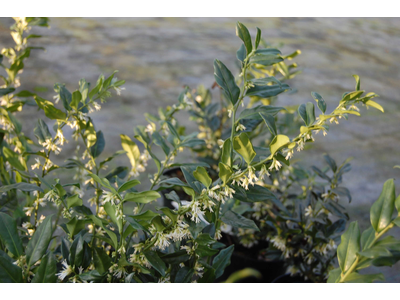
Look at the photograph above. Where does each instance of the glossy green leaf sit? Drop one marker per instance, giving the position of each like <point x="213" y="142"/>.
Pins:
<point x="374" y="105"/>
<point x="320" y="101"/>
<point x="225" y="172"/>
<point x="76" y="98"/>
<point x="307" y="113"/>
<point x="243" y="146"/>
<point x="375" y="252"/>
<point x="278" y="142"/>
<point x="349" y="246"/>
<point x="184" y="275"/>
<point x="357" y="78"/>
<point x="258" y="38"/>
<point x="270" y="122"/>
<point x="75" y="226"/>
<point x="37" y="245"/>
<point x="243" y="33"/>
<point x="156" y="262"/>
<point x="9" y="273"/>
<point x="267" y="91"/>
<point x="226" y="81"/>
<point x="74" y="201"/>
<point x="334" y="275"/>
<point x="102" y="262"/>
<point x="159" y="141"/>
<point x="201" y="175"/>
<point x="9" y="235"/>
<point x="90" y="134"/>
<point x="22" y="186"/>
<point x="254" y="112"/>
<point x="98" y="147"/>
<point x="111" y="212"/>
<point x="132" y="150"/>
<point x="238" y="221"/>
<point x="364" y="278"/>
<point x="222" y="260"/>
<point x="47" y="270"/>
<point x="382" y="210"/>
<point x="128" y="185"/>
<point x="227" y="152"/>
<point x="142" y="197"/>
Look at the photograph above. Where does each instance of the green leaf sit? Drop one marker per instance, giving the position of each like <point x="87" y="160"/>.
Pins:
<point x="243" y="33"/>
<point x="13" y="158"/>
<point x="320" y="101"/>
<point x="111" y="212"/>
<point x="243" y="146"/>
<point x="270" y="122"/>
<point x="142" y="197"/>
<point x="9" y="273"/>
<point x="265" y="60"/>
<point x="22" y="186"/>
<point x="277" y="143"/>
<point x="357" y="78"/>
<point x="226" y="81"/>
<point x="374" y="105"/>
<point x="375" y="252"/>
<point x="349" y="247"/>
<point x="102" y="262"/>
<point x="367" y="237"/>
<point x="6" y="91"/>
<point x="382" y="210"/>
<point x="238" y="221"/>
<point x="334" y="275"/>
<point x="364" y="278"/>
<point x="132" y="150"/>
<point x="176" y="257"/>
<point x="226" y="153"/>
<point x="90" y="134"/>
<point x="76" y="98"/>
<point x="159" y="141"/>
<point x="225" y="172"/>
<point x="397" y="204"/>
<point x="75" y="226"/>
<point x="156" y="262"/>
<point x="74" y="201"/>
<point x="258" y="38"/>
<point x="128" y="185"/>
<point x="254" y="113"/>
<point x="241" y="53"/>
<point x="9" y="235"/>
<point x="307" y="113"/>
<point x="184" y="275"/>
<point x="222" y="260"/>
<point x="201" y="175"/>
<point x="136" y="225"/>
<point x="37" y="245"/>
<point x="47" y="270"/>
<point x="267" y="91"/>
<point x="98" y="147"/>
<point x="103" y="181"/>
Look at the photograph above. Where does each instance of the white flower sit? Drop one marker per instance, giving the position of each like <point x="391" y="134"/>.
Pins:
<point x="109" y="197"/>
<point x="275" y="164"/>
<point x="240" y="127"/>
<point x="37" y="165"/>
<point x="308" y="211"/>
<point x="150" y="128"/>
<point x="230" y="111"/>
<point x="65" y="272"/>
<point x="279" y="243"/>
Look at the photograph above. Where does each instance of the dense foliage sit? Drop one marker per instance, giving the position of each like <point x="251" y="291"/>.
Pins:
<point x="105" y="226"/>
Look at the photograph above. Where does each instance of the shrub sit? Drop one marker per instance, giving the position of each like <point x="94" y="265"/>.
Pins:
<point x="125" y="236"/>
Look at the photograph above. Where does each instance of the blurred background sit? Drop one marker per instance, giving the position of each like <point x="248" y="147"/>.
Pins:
<point x="158" y="56"/>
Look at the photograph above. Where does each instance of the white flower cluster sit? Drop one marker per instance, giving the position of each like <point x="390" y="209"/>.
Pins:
<point x="249" y="178"/>
<point x="49" y="145"/>
<point x="141" y="164"/>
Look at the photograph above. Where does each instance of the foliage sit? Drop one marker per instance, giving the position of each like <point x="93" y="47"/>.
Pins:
<point x="126" y="237"/>
<point x="358" y="250"/>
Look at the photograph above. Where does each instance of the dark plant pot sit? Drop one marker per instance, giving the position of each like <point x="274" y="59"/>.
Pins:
<point x="243" y="257"/>
<point x="287" y="278"/>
